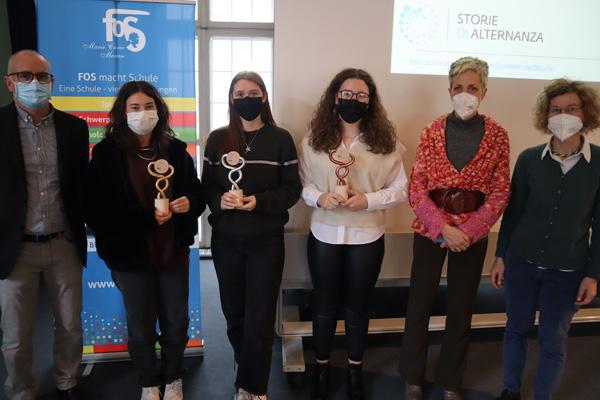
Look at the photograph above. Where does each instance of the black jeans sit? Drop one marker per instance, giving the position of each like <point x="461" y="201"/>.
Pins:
<point x="464" y="274"/>
<point x="249" y="272"/>
<point x="149" y="294"/>
<point x="342" y="275"/>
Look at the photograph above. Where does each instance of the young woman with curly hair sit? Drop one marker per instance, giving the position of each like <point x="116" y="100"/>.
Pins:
<point x="351" y="142"/>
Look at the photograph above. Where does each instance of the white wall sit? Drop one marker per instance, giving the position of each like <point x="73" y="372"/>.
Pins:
<point x="314" y="39"/>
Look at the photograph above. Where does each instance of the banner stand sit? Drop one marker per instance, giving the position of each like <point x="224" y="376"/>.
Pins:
<point x="94" y="47"/>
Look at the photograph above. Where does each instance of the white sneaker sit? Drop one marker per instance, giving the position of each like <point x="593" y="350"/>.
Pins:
<point x="242" y="395"/>
<point x="174" y="390"/>
<point x="150" y="393"/>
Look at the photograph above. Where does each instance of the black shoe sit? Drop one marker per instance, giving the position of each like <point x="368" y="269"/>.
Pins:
<point x="70" y="394"/>
<point x="355" y="382"/>
<point x="320" y="389"/>
<point x="508" y="395"/>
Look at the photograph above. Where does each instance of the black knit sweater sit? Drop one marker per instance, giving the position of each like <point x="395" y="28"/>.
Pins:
<point x="270" y="174"/>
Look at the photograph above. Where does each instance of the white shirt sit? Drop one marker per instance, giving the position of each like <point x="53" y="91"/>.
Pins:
<point x="394" y="192"/>
<point x="571" y="161"/>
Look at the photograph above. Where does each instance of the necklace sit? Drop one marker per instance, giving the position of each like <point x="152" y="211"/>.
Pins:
<point x="247" y="146"/>
<point x="565" y="155"/>
<point x="146" y="149"/>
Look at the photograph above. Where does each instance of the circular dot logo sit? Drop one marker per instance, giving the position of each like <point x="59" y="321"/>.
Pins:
<point x="419" y="25"/>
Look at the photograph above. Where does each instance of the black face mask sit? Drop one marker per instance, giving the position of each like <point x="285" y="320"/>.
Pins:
<point x="351" y="110"/>
<point x="249" y="107"/>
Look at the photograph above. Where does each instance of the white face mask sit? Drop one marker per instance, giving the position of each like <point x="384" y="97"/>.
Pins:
<point x="142" y="122"/>
<point x="563" y="126"/>
<point x="465" y="105"/>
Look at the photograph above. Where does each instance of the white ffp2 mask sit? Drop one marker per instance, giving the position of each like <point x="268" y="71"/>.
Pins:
<point x="142" y="122"/>
<point x="465" y="105"/>
<point x="563" y="126"/>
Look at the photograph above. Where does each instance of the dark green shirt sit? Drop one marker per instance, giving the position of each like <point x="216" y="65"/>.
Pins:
<point x="549" y="214"/>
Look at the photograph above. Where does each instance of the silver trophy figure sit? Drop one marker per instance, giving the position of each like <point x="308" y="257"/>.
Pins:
<point x="234" y="163"/>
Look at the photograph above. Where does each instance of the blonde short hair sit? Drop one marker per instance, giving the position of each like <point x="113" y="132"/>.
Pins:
<point x="465" y="64"/>
<point x="590" y="103"/>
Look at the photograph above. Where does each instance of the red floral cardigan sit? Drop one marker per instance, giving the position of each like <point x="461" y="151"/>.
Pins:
<point x="487" y="172"/>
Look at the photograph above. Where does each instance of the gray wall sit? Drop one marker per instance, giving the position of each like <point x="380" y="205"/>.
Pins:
<point x="314" y="39"/>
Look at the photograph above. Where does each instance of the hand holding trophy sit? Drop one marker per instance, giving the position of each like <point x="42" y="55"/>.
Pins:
<point x="343" y="159"/>
<point x="162" y="170"/>
<point x="230" y="161"/>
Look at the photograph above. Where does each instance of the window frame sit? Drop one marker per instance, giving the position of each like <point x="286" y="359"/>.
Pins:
<point x="205" y="5"/>
<point x="239" y="35"/>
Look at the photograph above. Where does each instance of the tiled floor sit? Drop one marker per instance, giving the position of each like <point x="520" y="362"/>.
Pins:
<point x="212" y="377"/>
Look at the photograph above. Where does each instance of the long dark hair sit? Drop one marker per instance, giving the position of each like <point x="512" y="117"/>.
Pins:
<point x="378" y="132"/>
<point x="117" y="128"/>
<point x="235" y="130"/>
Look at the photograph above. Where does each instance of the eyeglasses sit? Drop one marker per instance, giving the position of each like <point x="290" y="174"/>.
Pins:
<point x="349" y="94"/>
<point x="566" y="110"/>
<point x="27" y="76"/>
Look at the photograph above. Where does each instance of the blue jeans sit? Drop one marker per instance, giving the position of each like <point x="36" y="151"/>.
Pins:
<point x="526" y="287"/>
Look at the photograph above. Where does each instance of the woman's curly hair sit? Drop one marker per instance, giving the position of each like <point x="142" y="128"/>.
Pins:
<point x="590" y="103"/>
<point x="378" y="132"/>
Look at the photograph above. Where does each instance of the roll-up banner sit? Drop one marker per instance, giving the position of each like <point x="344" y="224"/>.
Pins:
<point x="95" y="46"/>
<point x="5" y="52"/>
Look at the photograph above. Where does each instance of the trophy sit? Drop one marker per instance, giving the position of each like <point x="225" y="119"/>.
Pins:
<point x="343" y="159"/>
<point x="230" y="161"/>
<point x="162" y="170"/>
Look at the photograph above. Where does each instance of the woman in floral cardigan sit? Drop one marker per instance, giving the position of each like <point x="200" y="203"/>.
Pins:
<point x="459" y="188"/>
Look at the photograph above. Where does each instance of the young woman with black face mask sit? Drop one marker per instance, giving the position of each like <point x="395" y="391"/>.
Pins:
<point x="247" y="231"/>
<point x="352" y="144"/>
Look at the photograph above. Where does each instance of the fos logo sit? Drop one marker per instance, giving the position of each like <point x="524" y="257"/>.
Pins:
<point x="117" y="28"/>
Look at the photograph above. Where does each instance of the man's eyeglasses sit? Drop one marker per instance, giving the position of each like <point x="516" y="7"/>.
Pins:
<point x="27" y="76"/>
<point x="349" y="94"/>
<point x="566" y="110"/>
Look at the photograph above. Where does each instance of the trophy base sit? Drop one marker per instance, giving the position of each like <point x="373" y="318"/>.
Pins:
<point x="239" y="193"/>
<point x="342" y="190"/>
<point x="162" y="205"/>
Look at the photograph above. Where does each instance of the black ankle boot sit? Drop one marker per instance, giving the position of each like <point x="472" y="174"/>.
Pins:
<point x="355" y="382"/>
<point x="320" y="389"/>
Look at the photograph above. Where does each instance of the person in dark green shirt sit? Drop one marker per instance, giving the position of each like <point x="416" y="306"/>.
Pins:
<point x="544" y="252"/>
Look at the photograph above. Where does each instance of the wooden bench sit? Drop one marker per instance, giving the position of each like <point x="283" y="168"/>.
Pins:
<point x="395" y="272"/>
